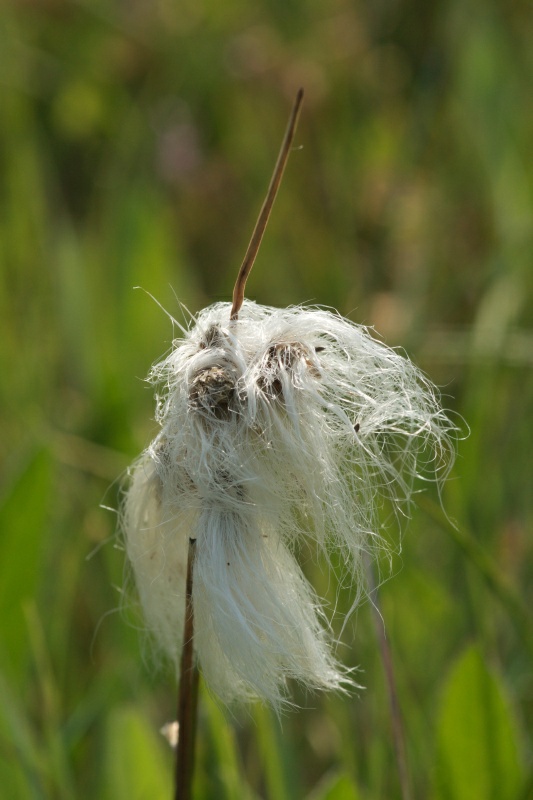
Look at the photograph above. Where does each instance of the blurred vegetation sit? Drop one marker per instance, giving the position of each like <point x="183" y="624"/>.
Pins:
<point x="137" y="140"/>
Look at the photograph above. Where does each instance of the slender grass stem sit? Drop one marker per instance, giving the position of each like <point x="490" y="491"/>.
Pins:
<point x="264" y="214"/>
<point x="398" y="729"/>
<point x="188" y="693"/>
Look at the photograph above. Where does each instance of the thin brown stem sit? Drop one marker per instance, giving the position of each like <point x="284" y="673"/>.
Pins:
<point x="188" y="693"/>
<point x="398" y="730"/>
<point x="264" y="214"/>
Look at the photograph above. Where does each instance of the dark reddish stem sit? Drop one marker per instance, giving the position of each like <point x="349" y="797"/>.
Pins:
<point x="188" y="693"/>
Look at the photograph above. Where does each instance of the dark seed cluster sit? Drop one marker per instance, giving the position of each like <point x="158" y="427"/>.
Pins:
<point x="212" y="391"/>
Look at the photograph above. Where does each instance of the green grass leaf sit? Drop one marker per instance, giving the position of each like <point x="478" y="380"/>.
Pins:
<point x="223" y="754"/>
<point x="22" y="766"/>
<point x="337" y="786"/>
<point x="135" y="766"/>
<point x="23" y="517"/>
<point x="477" y="740"/>
<point x="275" y="755"/>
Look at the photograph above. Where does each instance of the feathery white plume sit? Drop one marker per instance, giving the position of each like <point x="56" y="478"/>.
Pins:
<point x="278" y="426"/>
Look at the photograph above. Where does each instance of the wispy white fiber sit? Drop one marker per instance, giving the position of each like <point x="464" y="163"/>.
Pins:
<point x="283" y="425"/>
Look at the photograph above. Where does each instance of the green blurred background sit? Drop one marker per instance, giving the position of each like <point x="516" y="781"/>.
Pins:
<point x="137" y="141"/>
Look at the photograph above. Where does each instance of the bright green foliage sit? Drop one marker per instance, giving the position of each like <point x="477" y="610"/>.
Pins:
<point x="136" y="144"/>
<point x="135" y="767"/>
<point x="219" y="770"/>
<point x="21" y="764"/>
<point x="478" y="753"/>
<point x="336" y="787"/>
<point x="23" y="518"/>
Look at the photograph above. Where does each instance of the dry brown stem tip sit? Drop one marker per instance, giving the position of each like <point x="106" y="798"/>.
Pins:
<point x="264" y="214"/>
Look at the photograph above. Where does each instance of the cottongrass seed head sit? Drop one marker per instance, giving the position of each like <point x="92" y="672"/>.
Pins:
<point x="283" y="426"/>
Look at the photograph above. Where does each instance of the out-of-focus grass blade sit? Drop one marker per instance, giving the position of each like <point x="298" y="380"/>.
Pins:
<point x="21" y="763"/>
<point x="23" y="516"/>
<point x="14" y="782"/>
<point x="518" y="612"/>
<point x="135" y="767"/>
<point x="273" y="754"/>
<point x="477" y="741"/>
<point x="231" y="782"/>
<point x="337" y="786"/>
<point x="50" y="705"/>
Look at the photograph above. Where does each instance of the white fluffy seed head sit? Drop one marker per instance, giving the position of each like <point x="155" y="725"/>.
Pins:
<point x="284" y="425"/>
